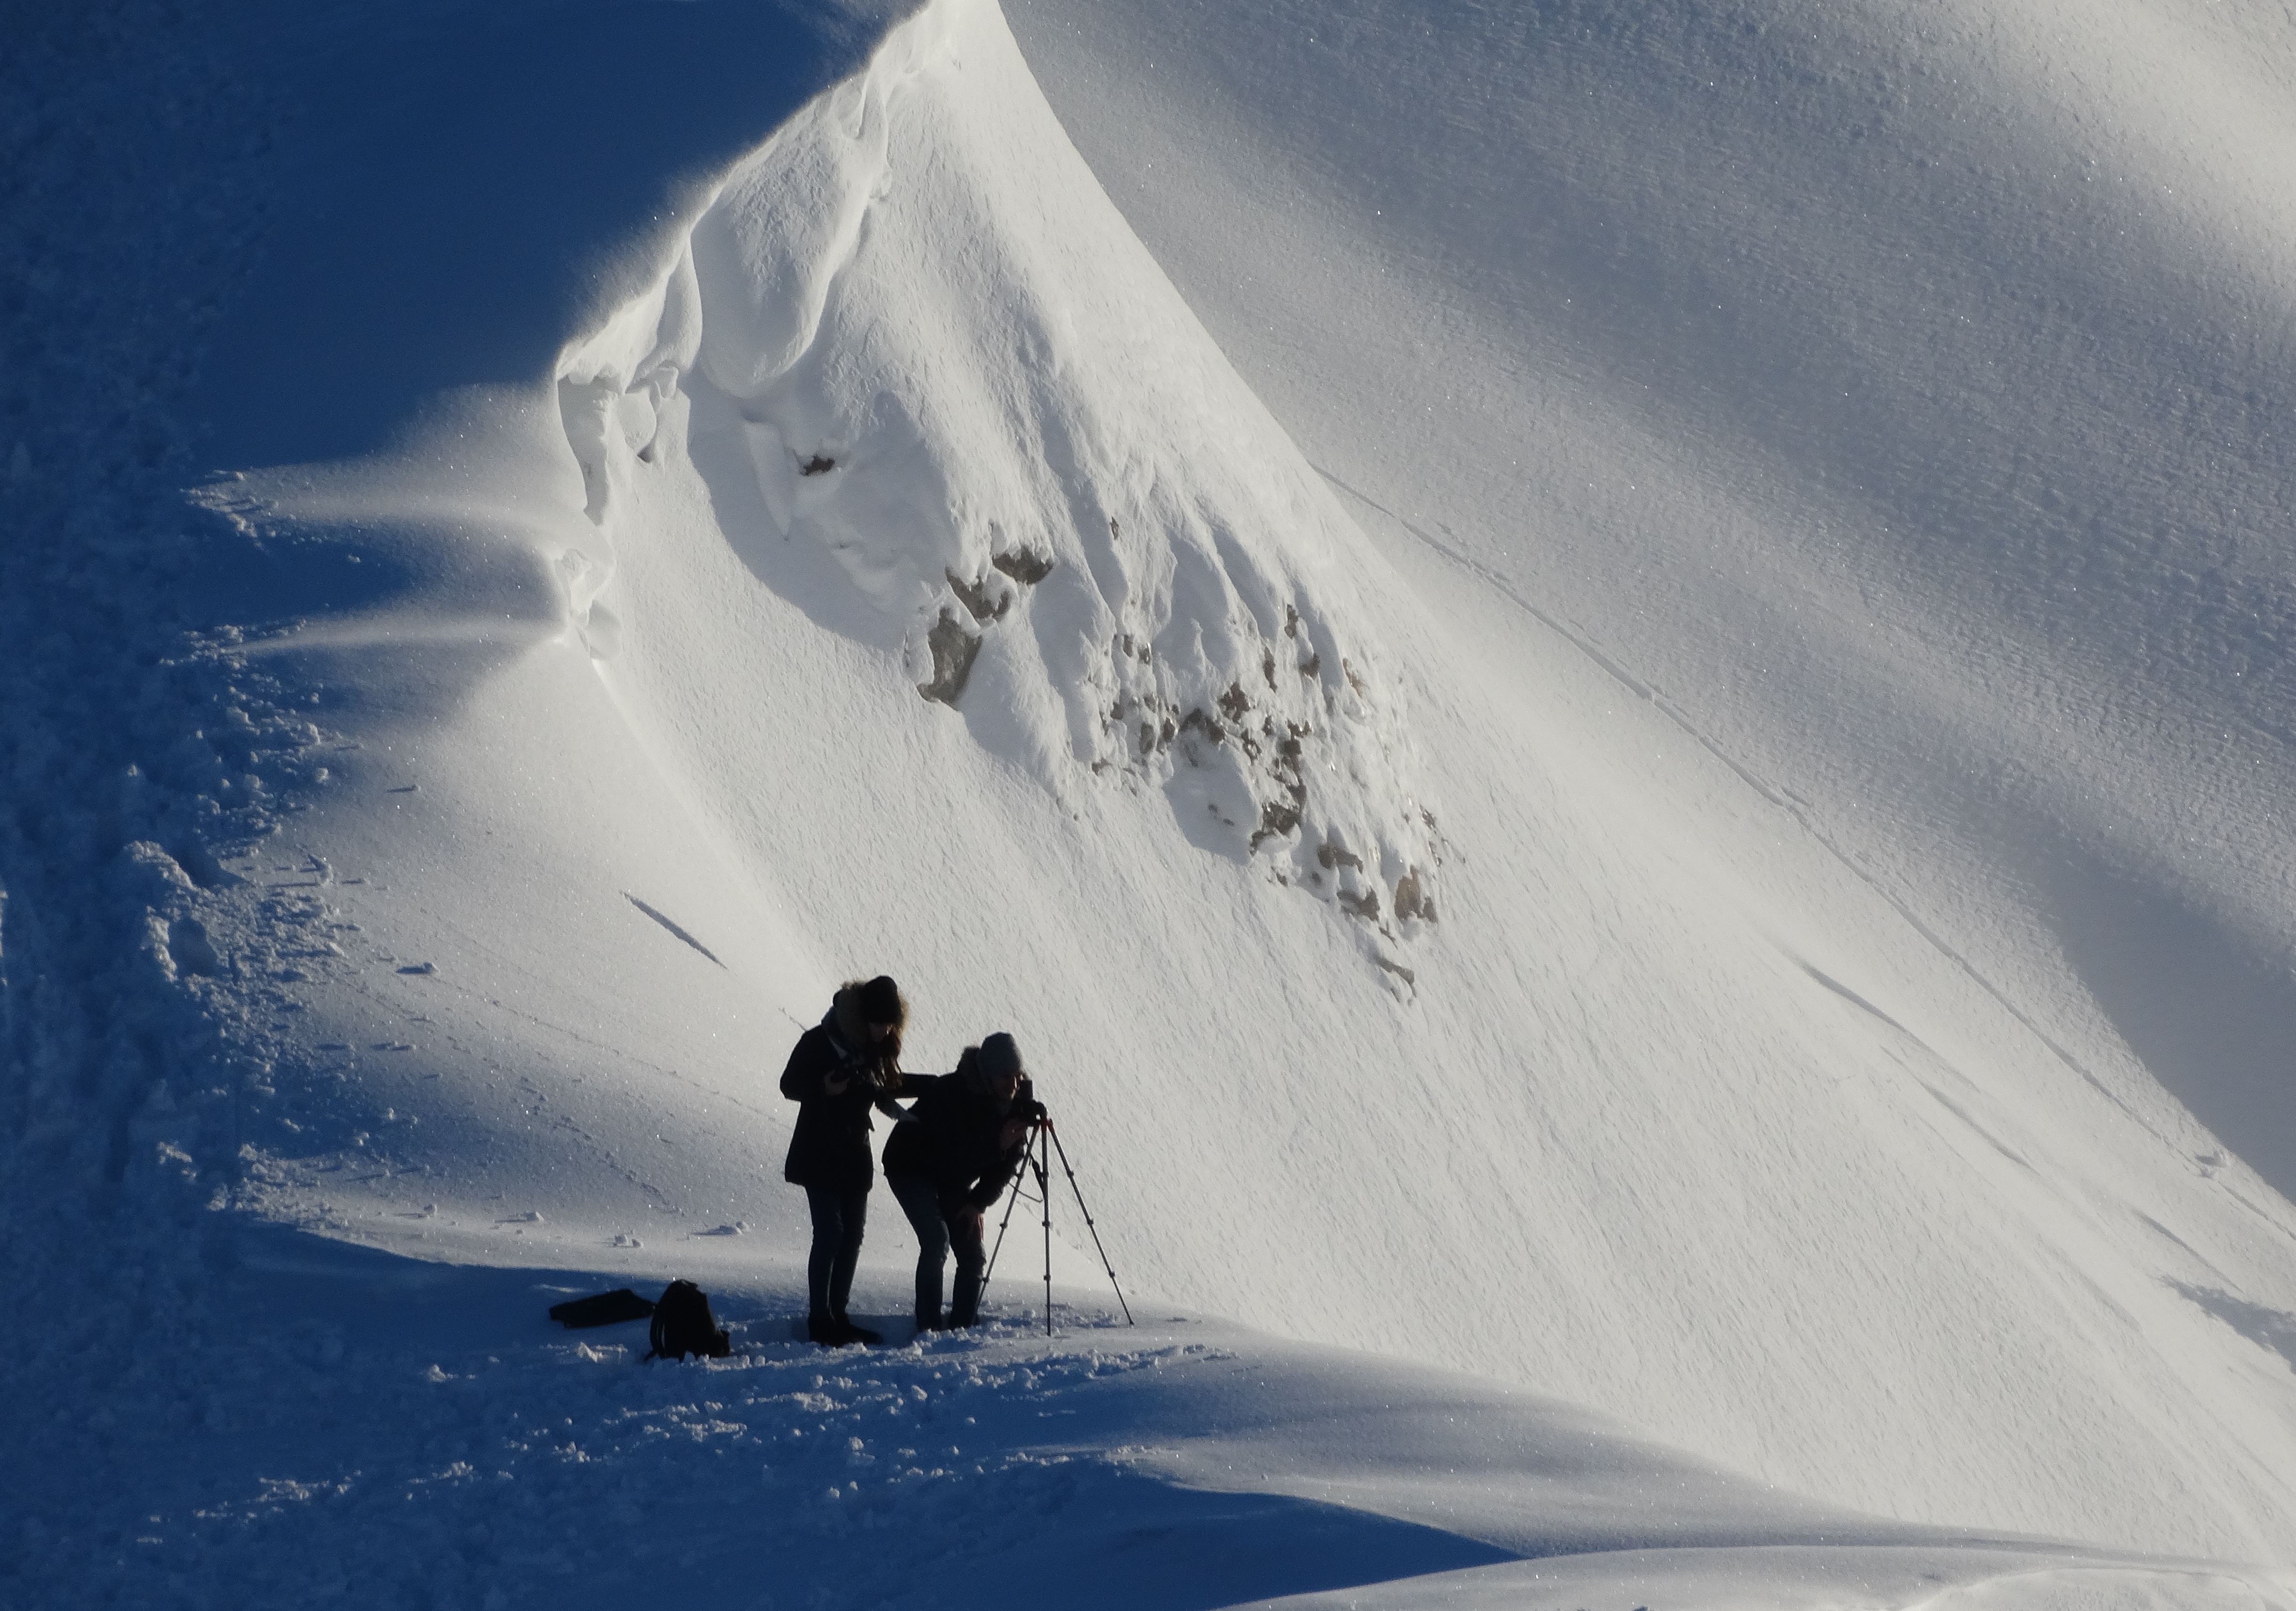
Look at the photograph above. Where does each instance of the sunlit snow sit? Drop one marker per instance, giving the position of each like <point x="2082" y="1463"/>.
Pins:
<point x="1606" y="691"/>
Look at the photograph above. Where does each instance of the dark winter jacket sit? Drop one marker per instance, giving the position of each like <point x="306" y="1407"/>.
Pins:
<point x="950" y="1136"/>
<point x="830" y="1147"/>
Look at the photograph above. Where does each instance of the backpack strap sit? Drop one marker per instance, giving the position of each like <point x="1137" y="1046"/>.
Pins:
<point x="665" y="1312"/>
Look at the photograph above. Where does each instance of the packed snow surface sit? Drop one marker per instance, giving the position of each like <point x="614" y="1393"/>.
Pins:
<point x="390" y="1433"/>
<point x="1648" y="768"/>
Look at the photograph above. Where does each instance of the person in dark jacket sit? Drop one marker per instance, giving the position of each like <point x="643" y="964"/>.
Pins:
<point x="838" y="1070"/>
<point x="949" y="1161"/>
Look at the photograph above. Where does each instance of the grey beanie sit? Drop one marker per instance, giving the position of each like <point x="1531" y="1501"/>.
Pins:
<point x="1000" y="1057"/>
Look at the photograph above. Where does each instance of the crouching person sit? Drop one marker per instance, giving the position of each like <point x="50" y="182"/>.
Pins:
<point x="949" y="1161"/>
<point x="838" y="1070"/>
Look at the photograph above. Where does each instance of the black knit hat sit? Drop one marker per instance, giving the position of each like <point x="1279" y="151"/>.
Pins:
<point x="1000" y="1057"/>
<point x="880" y="1001"/>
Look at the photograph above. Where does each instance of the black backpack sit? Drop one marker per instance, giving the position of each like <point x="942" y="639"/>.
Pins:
<point x="605" y="1309"/>
<point x="683" y="1325"/>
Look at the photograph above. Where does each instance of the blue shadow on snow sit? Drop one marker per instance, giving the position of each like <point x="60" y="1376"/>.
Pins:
<point x="634" y="1513"/>
<point x="461" y="198"/>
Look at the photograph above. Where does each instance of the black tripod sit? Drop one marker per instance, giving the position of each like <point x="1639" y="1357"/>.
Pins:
<point x="1037" y="1158"/>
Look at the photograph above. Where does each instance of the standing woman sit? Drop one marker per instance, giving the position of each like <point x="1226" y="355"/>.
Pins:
<point x="949" y="1161"/>
<point x="839" y="1068"/>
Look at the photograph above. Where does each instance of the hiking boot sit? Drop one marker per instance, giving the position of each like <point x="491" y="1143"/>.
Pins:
<point x="862" y="1335"/>
<point x="828" y="1333"/>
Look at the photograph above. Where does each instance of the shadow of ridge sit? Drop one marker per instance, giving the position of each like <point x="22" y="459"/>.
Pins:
<point x="466" y="193"/>
<point x="2209" y="1013"/>
<point x="1035" y="1530"/>
<point x="387" y="1299"/>
<point x="391" y="1455"/>
<point x="1133" y="1543"/>
<point x="1113" y="1540"/>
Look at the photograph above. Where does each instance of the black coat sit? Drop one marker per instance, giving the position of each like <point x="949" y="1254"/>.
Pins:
<point x="951" y="1138"/>
<point x="828" y="1149"/>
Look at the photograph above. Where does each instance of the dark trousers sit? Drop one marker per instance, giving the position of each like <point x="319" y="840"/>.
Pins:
<point x="935" y="1217"/>
<point x="839" y="1218"/>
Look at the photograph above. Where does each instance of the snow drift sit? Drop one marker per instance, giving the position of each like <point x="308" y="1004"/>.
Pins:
<point x="1018" y="465"/>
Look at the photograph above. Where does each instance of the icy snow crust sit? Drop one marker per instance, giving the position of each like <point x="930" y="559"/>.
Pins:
<point x="877" y="567"/>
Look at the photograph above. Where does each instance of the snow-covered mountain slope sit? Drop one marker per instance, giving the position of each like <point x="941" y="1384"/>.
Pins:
<point x="1897" y="395"/>
<point x="1893" y="397"/>
<point x="872" y="564"/>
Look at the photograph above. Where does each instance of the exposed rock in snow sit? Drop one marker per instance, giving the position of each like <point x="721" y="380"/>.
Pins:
<point x="1029" y="470"/>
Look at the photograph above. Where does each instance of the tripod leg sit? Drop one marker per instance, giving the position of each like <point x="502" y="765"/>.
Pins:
<point x="1044" y="1190"/>
<point x="1088" y="1224"/>
<point x="1011" y="1203"/>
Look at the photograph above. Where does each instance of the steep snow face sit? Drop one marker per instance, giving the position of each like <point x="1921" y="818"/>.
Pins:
<point x="953" y="411"/>
<point x="1893" y="399"/>
<point x="1898" y="393"/>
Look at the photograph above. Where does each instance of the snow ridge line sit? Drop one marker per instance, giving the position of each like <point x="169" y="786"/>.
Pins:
<point x="1036" y="521"/>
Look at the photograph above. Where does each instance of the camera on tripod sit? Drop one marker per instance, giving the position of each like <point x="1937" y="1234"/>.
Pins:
<point x="1042" y="1148"/>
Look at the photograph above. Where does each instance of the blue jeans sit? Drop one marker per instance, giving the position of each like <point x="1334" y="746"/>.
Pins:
<point x="941" y="1223"/>
<point x="839" y="1218"/>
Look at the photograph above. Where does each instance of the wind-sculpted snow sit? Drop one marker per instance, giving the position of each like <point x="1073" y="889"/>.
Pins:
<point x="1019" y="465"/>
<point x="846" y="553"/>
